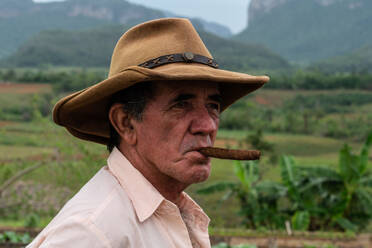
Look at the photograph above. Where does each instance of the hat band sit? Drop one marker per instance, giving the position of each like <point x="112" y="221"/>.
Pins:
<point x="179" y="57"/>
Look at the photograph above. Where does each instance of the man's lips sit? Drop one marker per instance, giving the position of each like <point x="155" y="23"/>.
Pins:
<point x="195" y="153"/>
<point x="196" y="149"/>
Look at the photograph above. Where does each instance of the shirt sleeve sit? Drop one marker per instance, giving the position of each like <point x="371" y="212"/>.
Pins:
<point x="72" y="233"/>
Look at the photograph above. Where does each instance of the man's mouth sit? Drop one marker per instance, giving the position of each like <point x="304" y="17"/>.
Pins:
<point x="196" y="154"/>
<point x="196" y="149"/>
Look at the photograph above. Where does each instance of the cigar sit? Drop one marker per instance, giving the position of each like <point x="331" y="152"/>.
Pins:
<point x="230" y="154"/>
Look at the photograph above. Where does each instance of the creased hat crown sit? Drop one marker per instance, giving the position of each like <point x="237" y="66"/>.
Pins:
<point x="154" y="39"/>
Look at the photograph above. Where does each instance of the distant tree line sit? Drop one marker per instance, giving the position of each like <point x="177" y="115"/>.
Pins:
<point x="337" y="115"/>
<point x="76" y="79"/>
<point x="320" y="114"/>
<point x="320" y="81"/>
<point x="62" y="81"/>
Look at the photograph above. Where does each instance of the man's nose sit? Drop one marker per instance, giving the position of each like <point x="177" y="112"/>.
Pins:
<point x="203" y="122"/>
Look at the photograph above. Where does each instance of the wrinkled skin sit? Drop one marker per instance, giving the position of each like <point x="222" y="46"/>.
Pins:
<point x="181" y="118"/>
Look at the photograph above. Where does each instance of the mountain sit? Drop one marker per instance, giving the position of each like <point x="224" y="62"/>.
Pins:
<point x="94" y="47"/>
<point x="238" y="56"/>
<point x="86" y="48"/>
<point x="211" y="27"/>
<point x="358" y="61"/>
<point x="215" y="28"/>
<point x="20" y="19"/>
<point x="309" y="30"/>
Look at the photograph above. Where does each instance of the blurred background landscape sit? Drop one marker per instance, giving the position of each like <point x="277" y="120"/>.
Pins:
<point x="312" y="121"/>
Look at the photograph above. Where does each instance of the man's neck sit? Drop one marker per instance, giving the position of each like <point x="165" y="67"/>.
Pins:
<point x="168" y="187"/>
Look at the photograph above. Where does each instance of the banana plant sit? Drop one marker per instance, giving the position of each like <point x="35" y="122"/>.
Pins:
<point x="324" y="197"/>
<point x="356" y="194"/>
<point x="258" y="199"/>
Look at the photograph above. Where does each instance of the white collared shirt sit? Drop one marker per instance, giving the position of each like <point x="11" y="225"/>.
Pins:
<point x="118" y="207"/>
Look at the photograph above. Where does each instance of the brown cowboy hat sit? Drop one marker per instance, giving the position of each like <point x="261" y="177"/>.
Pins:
<point x="165" y="49"/>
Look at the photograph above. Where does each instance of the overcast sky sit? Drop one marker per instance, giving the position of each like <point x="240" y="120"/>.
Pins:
<point x="231" y="13"/>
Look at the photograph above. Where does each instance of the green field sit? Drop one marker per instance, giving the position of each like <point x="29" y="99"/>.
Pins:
<point x="24" y="144"/>
<point x="68" y="162"/>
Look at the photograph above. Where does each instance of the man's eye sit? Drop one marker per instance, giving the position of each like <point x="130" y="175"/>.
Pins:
<point x="181" y="104"/>
<point x="214" y="106"/>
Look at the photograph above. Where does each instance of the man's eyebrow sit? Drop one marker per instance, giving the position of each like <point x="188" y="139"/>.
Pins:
<point x="182" y="97"/>
<point x="216" y="97"/>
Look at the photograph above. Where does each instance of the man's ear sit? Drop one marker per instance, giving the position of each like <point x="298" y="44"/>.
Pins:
<point x="122" y="124"/>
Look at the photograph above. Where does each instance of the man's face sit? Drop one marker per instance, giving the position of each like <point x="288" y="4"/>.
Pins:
<point x="180" y="119"/>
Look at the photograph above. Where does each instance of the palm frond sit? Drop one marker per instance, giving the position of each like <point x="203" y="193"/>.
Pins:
<point x="365" y="199"/>
<point x="363" y="162"/>
<point x="366" y="181"/>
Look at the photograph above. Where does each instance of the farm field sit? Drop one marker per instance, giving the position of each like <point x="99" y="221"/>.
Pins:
<point x="22" y="88"/>
<point x="26" y="146"/>
<point x="308" y="113"/>
<point x="67" y="163"/>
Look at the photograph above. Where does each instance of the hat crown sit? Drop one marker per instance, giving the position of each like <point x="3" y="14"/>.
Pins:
<point x="154" y="39"/>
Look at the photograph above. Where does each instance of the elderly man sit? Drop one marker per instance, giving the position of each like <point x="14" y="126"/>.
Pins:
<point x="159" y="106"/>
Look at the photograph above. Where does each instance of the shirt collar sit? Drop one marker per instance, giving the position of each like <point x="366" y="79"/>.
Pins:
<point x="145" y="198"/>
<point x="189" y="207"/>
<point x="143" y="195"/>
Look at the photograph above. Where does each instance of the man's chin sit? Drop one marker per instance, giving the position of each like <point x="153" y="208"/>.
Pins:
<point x="200" y="176"/>
<point x="201" y="171"/>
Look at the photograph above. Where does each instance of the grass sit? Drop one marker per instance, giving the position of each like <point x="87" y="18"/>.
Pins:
<point x="25" y="138"/>
<point x="306" y="148"/>
<point x="51" y="68"/>
<point x="235" y="232"/>
<point x="23" y="152"/>
<point x="21" y="223"/>
<point x="275" y="97"/>
<point x="23" y="143"/>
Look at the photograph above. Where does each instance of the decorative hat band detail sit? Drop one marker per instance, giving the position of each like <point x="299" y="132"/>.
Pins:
<point x="187" y="57"/>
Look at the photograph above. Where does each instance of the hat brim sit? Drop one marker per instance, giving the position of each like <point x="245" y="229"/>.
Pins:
<point x="85" y="113"/>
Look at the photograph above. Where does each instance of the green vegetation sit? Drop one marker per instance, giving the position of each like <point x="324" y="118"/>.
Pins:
<point x="27" y="18"/>
<point x="306" y="31"/>
<point x="308" y="80"/>
<point x="16" y="107"/>
<point x="12" y="237"/>
<point x="324" y="113"/>
<point x="238" y="56"/>
<point x="312" y="197"/>
<point x="73" y="48"/>
<point x="309" y="114"/>
<point x="356" y="62"/>
<point x="62" y="80"/>
<point x="224" y="245"/>
<point x="61" y="170"/>
<point x="236" y="232"/>
<point x="24" y="19"/>
<point x="94" y="48"/>
<point x="272" y="120"/>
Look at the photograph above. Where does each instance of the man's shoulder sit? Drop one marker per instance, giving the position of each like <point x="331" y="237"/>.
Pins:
<point x="99" y="202"/>
<point x="101" y="195"/>
<point x="94" y="210"/>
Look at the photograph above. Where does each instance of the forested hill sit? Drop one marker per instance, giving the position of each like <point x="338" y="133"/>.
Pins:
<point x="309" y="30"/>
<point x="358" y="61"/>
<point x="20" y="19"/>
<point x="94" y="48"/>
